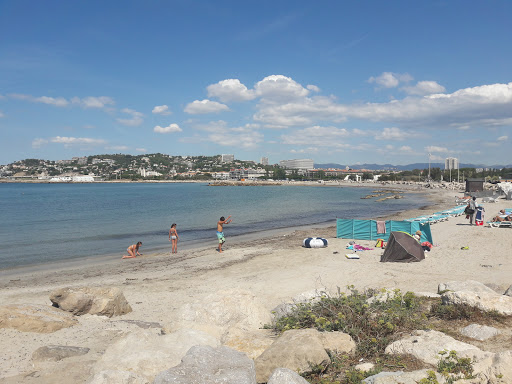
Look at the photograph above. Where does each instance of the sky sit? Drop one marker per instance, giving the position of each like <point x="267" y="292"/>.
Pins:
<point x="347" y="82"/>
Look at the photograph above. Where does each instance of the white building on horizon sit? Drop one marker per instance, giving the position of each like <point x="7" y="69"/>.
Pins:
<point x="297" y="164"/>
<point x="451" y="163"/>
<point x="227" y="158"/>
<point x="264" y="161"/>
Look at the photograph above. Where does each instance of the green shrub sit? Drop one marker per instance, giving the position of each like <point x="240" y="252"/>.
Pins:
<point x="372" y="325"/>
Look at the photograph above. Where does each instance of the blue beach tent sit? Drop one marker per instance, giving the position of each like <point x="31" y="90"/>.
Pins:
<point x="367" y="229"/>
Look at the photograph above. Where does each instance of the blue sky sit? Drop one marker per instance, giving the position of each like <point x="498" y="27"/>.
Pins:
<point x="336" y="81"/>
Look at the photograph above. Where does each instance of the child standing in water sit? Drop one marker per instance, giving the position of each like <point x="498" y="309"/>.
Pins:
<point x="133" y="250"/>
<point x="173" y="238"/>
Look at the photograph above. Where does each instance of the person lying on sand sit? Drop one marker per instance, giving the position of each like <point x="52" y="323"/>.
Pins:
<point x="133" y="250"/>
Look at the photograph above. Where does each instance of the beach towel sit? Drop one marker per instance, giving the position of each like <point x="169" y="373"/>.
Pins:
<point x="381" y="227"/>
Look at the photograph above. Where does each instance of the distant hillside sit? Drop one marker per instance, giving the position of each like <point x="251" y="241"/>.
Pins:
<point x="408" y="167"/>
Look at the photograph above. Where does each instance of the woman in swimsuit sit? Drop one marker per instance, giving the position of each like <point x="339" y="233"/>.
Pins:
<point x="173" y="238"/>
<point x="133" y="250"/>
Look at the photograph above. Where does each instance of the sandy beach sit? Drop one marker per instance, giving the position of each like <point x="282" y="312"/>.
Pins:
<point x="274" y="269"/>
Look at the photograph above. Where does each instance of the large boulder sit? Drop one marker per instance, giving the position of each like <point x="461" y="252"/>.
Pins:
<point x="208" y="365"/>
<point x="312" y="296"/>
<point x="218" y="312"/>
<point x="95" y="301"/>
<point x="400" y="377"/>
<point x="482" y="300"/>
<point x="252" y="342"/>
<point x="34" y="318"/>
<point x="286" y="376"/>
<point x="57" y="352"/>
<point x="298" y="350"/>
<point x="426" y="345"/>
<point x="468" y="285"/>
<point x="479" y="332"/>
<point x="147" y="352"/>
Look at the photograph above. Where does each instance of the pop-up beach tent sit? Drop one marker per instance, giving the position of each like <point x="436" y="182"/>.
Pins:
<point x="367" y="229"/>
<point x="402" y="248"/>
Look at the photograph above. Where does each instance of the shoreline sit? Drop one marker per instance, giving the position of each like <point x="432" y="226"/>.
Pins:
<point x="108" y="258"/>
<point x="239" y="240"/>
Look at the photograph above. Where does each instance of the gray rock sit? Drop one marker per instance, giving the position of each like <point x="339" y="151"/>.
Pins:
<point x="117" y="377"/>
<point x="95" y="301"/>
<point x="365" y="367"/>
<point x="34" y="318"/>
<point x="296" y="349"/>
<point x="220" y="311"/>
<point x="286" y="376"/>
<point x="481" y="300"/>
<point x="147" y="352"/>
<point x="426" y="345"/>
<point x="287" y="308"/>
<point x="479" y="332"/>
<point x="337" y="342"/>
<point x="469" y="285"/>
<point x="207" y="365"/>
<point x="508" y="292"/>
<point x="57" y="352"/>
<point x="400" y="377"/>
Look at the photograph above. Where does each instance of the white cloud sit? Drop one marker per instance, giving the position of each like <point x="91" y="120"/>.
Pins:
<point x="169" y="129"/>
<point x="135" y="120"/>
<point x="230" y="90"/>
<point x="58" y="102"/>
<point x="466" y="105"/>
<point x="390" y="79"/>
<point x="503" y="138"/>
<point x="424" y="88"/>
<point x="305" y="150"/>
<point x="279" y="88"/>
<point x="393" y="133"/>
<point x="93" y="102"/>
<point x="161" y="110"/>
<point x="405" y="149"/>
<point x="86" y="102"/>
<point x="313" y="88"/>
<point x="198" y="107"/>
<point x="142" y="150"/>
<point x="300" y="112"/>
<point x="218" y="132"/>
<point x="431" y="149"/>
<point x="38" y="143"/>
<point x="319" y="136"/>
<point x="76" y="140"/>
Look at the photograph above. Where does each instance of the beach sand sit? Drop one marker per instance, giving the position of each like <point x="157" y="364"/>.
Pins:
<point x="274" y="269"/>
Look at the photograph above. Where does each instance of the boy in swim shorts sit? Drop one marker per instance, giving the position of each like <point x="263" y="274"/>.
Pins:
<point x="220" y="233"/>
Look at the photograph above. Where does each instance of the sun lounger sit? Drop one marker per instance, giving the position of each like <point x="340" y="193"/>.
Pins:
<point x="500" y="224"/>
<point x="489" y="199"/>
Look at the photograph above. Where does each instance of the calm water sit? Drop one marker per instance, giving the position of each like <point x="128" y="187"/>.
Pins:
<point x="52" y="222"/>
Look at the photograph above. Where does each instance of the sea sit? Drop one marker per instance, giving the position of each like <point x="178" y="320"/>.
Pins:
<point x="51" y="223"/>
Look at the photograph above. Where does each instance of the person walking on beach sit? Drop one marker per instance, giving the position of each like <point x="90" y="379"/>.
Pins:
<point x="472" y="204"/>
<point x="133" y="250"/>
<point x="220" y="231"/>
<point x="173" y="238"/>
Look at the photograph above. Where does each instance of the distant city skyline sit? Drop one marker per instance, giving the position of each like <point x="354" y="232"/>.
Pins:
<point x="340" y="82"/>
